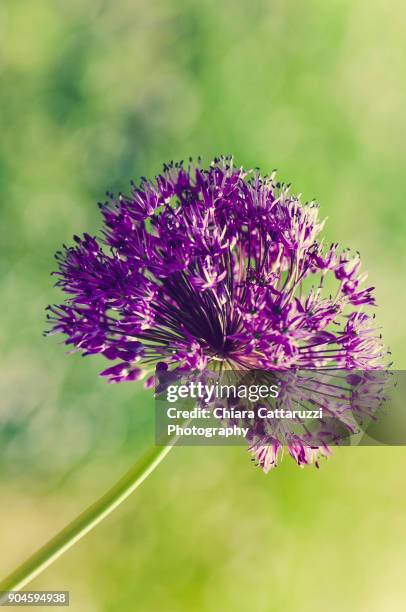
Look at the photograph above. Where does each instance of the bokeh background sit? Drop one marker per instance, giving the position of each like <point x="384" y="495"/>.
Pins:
<point x="94" y="93"/>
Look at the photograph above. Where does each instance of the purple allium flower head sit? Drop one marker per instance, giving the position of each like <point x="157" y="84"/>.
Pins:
<point x="209" y="267"/>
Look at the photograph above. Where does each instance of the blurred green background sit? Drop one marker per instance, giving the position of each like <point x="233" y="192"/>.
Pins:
<point x="94" y="93"/>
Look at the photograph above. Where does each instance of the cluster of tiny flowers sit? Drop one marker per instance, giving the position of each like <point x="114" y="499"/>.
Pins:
<point x="217" y="267"/>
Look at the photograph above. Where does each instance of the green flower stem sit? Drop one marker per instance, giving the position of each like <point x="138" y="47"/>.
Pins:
<point x="86" y="521"/>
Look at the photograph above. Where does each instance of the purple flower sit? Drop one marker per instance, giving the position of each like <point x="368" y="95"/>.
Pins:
<point x="215" y="267"/>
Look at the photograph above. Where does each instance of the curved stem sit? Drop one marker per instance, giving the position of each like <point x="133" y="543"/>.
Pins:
<point x="86" y="521"/>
